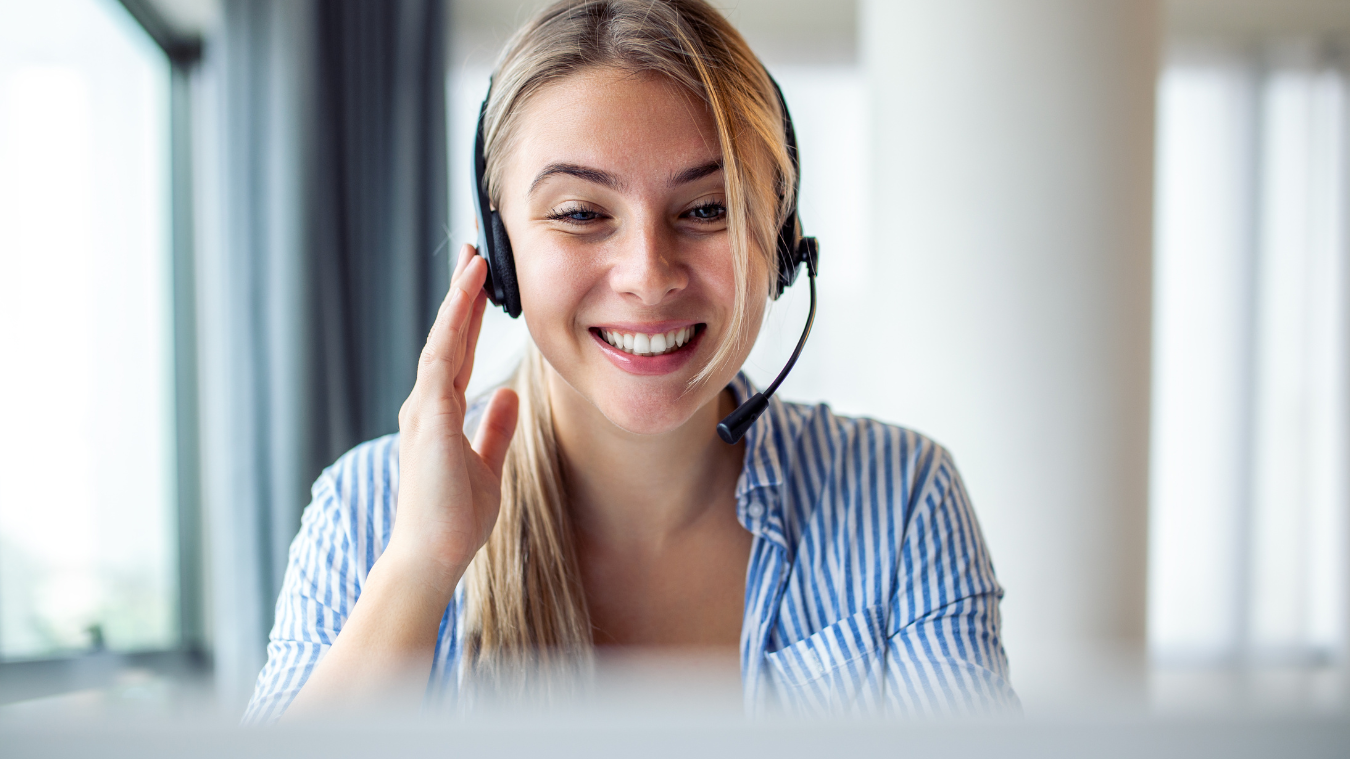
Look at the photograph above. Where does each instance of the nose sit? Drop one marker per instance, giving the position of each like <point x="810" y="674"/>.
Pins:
<point x="646" y="265"/>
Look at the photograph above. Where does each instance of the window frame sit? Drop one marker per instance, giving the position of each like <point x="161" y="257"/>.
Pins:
<point x="190" y="659"/>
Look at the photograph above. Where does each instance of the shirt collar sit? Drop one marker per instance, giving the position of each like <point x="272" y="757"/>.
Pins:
<point x="759" y="491"/>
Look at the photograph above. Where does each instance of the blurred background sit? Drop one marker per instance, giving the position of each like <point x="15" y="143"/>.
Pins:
<point x="1098" y="250"/>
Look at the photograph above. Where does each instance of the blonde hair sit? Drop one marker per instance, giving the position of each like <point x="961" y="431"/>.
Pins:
<point x="527" y="615"/>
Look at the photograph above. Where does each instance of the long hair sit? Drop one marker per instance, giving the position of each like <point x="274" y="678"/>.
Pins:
<point x="527" y="621"/>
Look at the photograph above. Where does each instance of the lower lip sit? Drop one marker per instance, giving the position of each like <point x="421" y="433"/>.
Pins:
<point x="649" y="366"/>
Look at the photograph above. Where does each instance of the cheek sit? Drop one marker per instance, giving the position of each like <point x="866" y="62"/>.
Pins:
<point x="553" y="284"/>
<point x="717" y="277"/>
<point x="719" y="282"/>
<point x="713" y="274"/>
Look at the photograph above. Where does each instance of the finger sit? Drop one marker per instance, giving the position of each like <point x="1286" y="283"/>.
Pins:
<point x="444" y="351"/>
<point x="464" y="290"/>
<point x="465" y="256"/>
<point x="450" y="292"/>
<point x="497" y="428"/>
<point x="471" y="341"/>
<point x="471" y="282"/>
<point x="465" y="252"/>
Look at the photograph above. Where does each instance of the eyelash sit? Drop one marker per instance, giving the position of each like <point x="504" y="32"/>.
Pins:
<point x="565" y="215"/>
<point x="705" y="206"/>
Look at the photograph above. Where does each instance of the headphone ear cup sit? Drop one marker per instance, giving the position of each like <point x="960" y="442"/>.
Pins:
<point x="787" y="273"/>
<point x="789" y="256"/>
<point x="504" y="267"/>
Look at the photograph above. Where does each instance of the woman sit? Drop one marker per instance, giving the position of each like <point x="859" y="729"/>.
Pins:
<point x="637" y="157"/>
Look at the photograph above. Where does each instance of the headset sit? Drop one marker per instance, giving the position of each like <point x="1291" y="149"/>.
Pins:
<point x="793" y="251"/>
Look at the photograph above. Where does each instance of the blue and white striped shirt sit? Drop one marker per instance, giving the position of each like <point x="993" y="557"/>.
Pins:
<point x="869" y="589"/>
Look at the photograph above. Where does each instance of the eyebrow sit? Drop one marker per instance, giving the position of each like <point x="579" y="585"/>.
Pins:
<point x="696" y="173"/>
<point x="580" y="172"/>
<point x="606" y="179"/>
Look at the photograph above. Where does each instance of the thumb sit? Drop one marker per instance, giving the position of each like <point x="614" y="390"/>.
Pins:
<point x="497" y="428"/>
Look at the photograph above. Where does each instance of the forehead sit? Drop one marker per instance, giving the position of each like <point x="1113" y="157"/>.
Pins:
<point x="639" y="126"/>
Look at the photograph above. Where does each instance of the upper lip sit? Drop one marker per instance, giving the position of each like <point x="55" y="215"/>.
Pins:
<point x="648" y="328"/>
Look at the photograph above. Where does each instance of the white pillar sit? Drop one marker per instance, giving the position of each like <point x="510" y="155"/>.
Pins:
<point x="1012" y="235"/>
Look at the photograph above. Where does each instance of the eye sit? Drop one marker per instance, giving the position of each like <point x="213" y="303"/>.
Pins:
<point x="708" y="211"/>
<point x="574" y="214"/>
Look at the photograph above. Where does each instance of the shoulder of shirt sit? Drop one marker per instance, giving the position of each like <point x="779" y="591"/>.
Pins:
<point x="800" y="416"/>
<point x="376" y="454"/>
<point x="829" y="447"/>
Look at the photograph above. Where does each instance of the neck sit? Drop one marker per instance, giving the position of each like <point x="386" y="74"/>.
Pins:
<point x="641" y="490"/>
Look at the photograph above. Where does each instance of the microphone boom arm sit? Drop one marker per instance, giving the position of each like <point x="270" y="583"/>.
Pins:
<point x="733" y="427"/>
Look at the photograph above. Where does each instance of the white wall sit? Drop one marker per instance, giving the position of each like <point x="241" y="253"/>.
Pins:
<point x="1249" y="439"/>
<point x="1203" y="349"/>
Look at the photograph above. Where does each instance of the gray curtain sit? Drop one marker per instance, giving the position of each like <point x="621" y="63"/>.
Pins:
<point x="380" y="211"/>
<point x="321" y="264"/>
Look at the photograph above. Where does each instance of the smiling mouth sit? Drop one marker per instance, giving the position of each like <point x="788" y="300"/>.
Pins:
<point x="644" y="344"/>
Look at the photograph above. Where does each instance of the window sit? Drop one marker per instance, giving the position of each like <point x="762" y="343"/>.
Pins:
<point x="88" y="555"/>
<point x="1249" y="490"/>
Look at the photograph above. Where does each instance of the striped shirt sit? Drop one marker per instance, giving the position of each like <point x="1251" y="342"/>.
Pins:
<point x="869" y="589"/>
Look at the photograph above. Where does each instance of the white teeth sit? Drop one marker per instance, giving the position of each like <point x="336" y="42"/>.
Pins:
<point x="643" y="344"/>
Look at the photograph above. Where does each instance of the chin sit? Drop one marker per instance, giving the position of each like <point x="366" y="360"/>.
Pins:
<point x="647" y="410"/>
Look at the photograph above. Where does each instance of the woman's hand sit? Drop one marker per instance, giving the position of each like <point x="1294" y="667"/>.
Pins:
<point x="450" y="491"/>
<point x="448" y="496"/>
